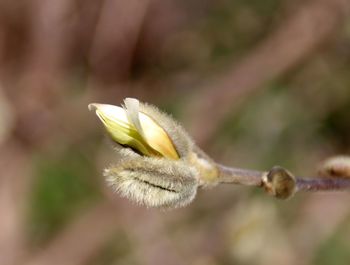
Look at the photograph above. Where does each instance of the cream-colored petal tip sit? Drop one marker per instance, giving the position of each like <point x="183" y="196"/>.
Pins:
<point x="134" y="100"/>
<point x="93" y="106"/>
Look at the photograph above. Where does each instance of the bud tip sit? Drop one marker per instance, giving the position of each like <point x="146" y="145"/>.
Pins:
<point x="92" y="106"/>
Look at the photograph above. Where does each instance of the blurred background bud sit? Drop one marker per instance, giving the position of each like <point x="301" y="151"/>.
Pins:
<point x="337" y="166"/>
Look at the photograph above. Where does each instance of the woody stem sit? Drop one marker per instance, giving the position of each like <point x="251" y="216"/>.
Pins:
<point x="249" y="177"/>
<point x="240" y="176"/>
<point x="323" y="184"/>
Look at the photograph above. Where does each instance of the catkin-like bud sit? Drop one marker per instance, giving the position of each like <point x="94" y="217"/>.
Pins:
<point x="154" y="182"/>
<point x="160" y="165"/>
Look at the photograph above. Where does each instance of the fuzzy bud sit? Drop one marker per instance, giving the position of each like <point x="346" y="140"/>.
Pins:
<point x="154" y="182"/>
<point x="160" y="166"/>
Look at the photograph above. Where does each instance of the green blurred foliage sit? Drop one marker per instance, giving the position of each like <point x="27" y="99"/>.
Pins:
<point x="63" y="186"/>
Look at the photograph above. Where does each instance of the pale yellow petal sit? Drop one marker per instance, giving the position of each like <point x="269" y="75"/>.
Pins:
<point x="119" y="128"/>
<point x="135" y="129"/>
<point x="132" y="106"/>
<point x="157" y="138"/>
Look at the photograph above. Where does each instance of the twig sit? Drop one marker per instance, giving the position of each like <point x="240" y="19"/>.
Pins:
<point x="115" y="39"/>
<point x="323" y="184"/>
<point x="240" y="176"/>
<point x="279" y="182"/>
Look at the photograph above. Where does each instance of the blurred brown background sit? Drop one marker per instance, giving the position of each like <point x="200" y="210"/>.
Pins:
<point x="257" y="83"/>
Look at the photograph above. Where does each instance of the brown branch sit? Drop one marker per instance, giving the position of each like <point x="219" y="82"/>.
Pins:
<point x="115" y="39"/>
<point x="323" y="184"/>
<point x="288" y="46"/>
<point x="240" y="176"/>
<point x="52" y="28"/>
<point x="279" y="182"/>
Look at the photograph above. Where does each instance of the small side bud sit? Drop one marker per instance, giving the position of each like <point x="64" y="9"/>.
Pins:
<point x="279" y="182"/>
<point x="154" y="182"/>
<point x="338" y="166"/>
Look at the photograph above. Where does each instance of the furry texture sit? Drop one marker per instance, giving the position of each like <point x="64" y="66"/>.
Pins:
<point x="184" y="145"/>
<point x="154" y="182"/>
<point x="181" y="140"/>
<point x="157" y="181"/>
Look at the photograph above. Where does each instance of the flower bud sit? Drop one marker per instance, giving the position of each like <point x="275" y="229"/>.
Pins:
<point x="154" y="182"/>
<point x="160" y="166"/>
<point x="128" y="126"/>
<point x="338" y="166"/>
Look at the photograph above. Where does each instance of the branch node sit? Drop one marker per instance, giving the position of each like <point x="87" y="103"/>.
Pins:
<point x="279" y="183"/>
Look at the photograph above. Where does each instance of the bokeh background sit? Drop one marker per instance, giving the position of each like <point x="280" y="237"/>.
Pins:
<point x="256" y="83"/>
